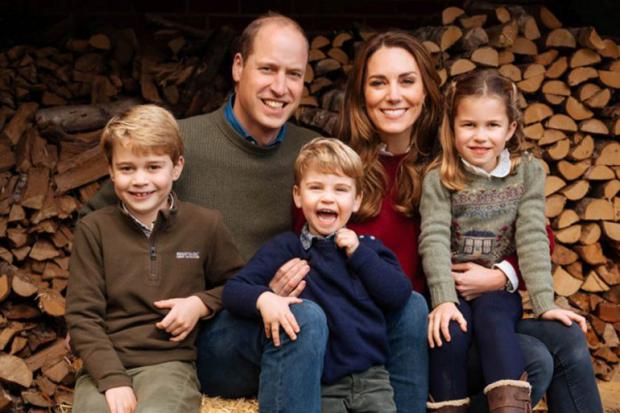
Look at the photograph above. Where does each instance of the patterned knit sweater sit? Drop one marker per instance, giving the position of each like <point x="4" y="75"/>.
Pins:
<point x="250" y="185"/>
<point x="489" y="219"/>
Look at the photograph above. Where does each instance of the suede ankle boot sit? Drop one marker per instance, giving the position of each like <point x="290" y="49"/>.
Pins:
<point x="509" y="396"/>
<point x="448" y="406"/>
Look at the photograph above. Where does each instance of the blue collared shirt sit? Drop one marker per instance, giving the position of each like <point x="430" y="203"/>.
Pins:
<point x="234" y="122"/>
<point x="306" y="237"/>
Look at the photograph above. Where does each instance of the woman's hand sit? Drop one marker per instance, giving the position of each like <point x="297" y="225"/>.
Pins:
<point x="472" y="279"/>
<point x="565" y="317"/>
<point x="439" y="321"/>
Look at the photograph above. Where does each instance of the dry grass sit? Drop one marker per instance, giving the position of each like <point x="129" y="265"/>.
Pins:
<point x="220" y="405"/>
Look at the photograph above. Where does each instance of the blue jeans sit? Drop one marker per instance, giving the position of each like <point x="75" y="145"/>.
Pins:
<point x="408" y="359"/>
<point x="573" y="386"/>
<point x="235" y="359"/>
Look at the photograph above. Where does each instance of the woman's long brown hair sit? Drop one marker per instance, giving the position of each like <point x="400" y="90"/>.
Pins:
<point x="358" y="131"/>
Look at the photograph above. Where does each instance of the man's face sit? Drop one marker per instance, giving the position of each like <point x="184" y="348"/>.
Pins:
<point x="270" y="80"/>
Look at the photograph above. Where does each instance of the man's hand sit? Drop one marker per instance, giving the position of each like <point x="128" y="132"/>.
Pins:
<point x="566" y="317"/>
<point x="289" y="279"/>
<point x="276" y="313"/>
<point x="348" y="240"/>
<point x="439" y="321"/>
<point x="472" y="279"/>
<point x="121" y="399"/>
<point x="183" y="315"/>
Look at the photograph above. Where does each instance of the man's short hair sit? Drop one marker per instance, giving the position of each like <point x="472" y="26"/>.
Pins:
<point x="330" y="156"/>
<point x="143" y="129"/>
<point x="246" y="41"/>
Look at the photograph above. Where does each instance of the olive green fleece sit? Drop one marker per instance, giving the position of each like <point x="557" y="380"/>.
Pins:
<point x="488" y="220"/>
<point x="251" y="185"/>
<point x="117" y="273"/>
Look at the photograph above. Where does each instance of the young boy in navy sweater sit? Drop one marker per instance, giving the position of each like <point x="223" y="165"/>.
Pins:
<point x="354" y="280"/>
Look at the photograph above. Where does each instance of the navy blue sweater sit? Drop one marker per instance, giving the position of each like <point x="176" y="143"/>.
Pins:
<point x="354" y="292"/>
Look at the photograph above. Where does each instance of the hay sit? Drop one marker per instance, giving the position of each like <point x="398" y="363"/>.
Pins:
<point x="220" y="405"/>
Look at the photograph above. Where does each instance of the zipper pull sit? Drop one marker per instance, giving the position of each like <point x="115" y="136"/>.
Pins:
<point x="153" y="254"/>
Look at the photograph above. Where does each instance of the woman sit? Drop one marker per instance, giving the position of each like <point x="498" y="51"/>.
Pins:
<point x="390" y="116"/>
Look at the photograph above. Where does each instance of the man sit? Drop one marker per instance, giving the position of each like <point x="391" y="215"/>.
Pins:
<point x="239" y="160"/>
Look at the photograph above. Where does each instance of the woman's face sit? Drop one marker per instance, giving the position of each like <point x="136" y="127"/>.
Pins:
<point x="394" y="93"/>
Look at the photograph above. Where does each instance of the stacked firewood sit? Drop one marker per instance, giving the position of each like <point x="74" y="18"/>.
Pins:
<point x="54" y="100"/>
<point x="568" y="80"/>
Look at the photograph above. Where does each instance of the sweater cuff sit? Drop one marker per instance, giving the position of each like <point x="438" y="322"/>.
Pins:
<point x="360" y="256"/>
<point x="114" y="380"/>
<point x="442" y="293"/>
<point x="542" y="304"/>
<point x="213" y="304"/>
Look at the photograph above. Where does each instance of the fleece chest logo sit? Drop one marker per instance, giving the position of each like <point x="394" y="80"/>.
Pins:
<point x="188" y="255"/>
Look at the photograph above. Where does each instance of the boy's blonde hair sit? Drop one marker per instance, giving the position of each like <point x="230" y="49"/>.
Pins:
<point x="143" y="129"/>
<point x="332" y="156"/>
<point x="483" y="83"/>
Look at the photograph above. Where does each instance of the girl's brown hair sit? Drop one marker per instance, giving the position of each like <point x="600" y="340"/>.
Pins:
<point x="357" y="129"/>
<point x="478" y="83"/>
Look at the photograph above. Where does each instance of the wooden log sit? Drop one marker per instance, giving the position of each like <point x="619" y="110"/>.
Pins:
<point x="593" y="126"/>
<point x="524" y="46"/>
<point x="532" y="84"/>
<point x="584" y="57"/>
<point x="594" y="209"/>
<point x="547" y="57"/>
<point x="565" y="284"/>
<point x="607" y="153"/>
<point x="610" y="78"/>
<point x="557" y="68"/>
<point x="577" y="190"/>
<point x="577" y="110"/>
<point x="556" y="87"/>
<point x="503" y="35"/>
<point x="85" y="168"/>
<point x="486" y="56"/>
<point x="583" y="149"/>
<point x="472" y="21"/>
<point x="14" y="370"/>
<point x="569" y="235"/>
<point x="536" y="112"/>
<point x="19" y="122"/>
<point x="444" y="36"/>
<point x="560" y="38"/>
<point x="594" y="284"/>
<point x="599" y="173"/>
<point x="566" y="218"/>
<point x="558" y="150"/>
<point x="590" y="233"/>
<point x="319" y="42"/>
<point x="510" y="71"/>
<point x="548" y="19"/>
<point x="591" y="254"/>
<point x="607" y="190"/>
<point x="77" y="118"/>
<point x="554" y="205"/>
<point x="571" y="171"/>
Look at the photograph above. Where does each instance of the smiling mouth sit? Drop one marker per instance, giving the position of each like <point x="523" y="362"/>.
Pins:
<point x="139" y="195"/>
<point x="274" y="104"/>
<point x="327" y="216"/>
<point x="394" y="113"/>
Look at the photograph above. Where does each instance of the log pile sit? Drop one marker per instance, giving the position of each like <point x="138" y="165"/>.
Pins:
<point x="54" y="100"/>
<point x="568" y="80"/>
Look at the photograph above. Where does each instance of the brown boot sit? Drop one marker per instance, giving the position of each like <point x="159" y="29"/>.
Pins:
<point x="509" y="396"/>
<point x="448" y="406"/>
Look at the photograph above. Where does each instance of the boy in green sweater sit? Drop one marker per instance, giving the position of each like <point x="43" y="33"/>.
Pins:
<point x="142" y="274"/>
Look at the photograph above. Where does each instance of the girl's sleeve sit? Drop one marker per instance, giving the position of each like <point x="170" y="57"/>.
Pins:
<point x="532" y="239"/>
<point x="434" y="245"/>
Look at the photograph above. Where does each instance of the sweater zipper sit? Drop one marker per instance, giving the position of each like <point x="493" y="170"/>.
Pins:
<point x="153" y="275"/>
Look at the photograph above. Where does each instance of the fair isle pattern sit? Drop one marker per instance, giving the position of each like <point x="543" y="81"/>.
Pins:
<point x="496" y="208"/>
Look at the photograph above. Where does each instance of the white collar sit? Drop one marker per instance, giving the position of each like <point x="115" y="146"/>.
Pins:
<point x="500" y="171"/>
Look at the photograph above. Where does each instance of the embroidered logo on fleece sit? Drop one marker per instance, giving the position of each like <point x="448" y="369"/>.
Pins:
<point x="188" y="255"/>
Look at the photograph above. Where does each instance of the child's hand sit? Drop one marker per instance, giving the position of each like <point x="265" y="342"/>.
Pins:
<point x="566" y="317"/>
<point x="121" y="399"/>
<point x="347" y="239"/>
<point x="276" y="313"/>
<point x="471" y="279"/>
<point x="183" y="315"/>
<point x="439" y="320"/>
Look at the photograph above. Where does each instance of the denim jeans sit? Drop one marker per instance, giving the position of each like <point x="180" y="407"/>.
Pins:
<point x="408" y="358"/>
<point x="573" y="386"/>
<point x="235" y="359"/>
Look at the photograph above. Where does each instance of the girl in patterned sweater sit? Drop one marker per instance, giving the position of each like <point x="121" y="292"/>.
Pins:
<point x="482" y="200"/>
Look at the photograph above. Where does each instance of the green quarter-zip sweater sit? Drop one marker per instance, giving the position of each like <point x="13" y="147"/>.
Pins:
<point x="117" y="273"/>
